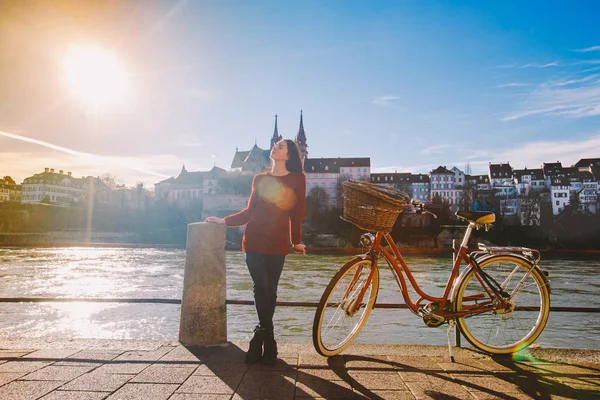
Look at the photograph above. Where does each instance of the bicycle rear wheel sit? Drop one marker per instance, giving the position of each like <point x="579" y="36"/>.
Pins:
<point x="504" y="330"/>
<point x="342" y="312"/>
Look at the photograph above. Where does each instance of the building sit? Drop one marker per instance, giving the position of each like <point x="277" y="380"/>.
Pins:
<point x="442" y="181"/>
<point x="190" y="186"/>
<point x="529" y="180"/>
<point x="501" y="179"/>
<point x="130" y="198"/>
<point x="301" y="141"/>
<point x="478" y="193"/>
<point x="588" y="197"/>
<point x="420" y="187"/>
<point x="397" y="180"/>
<point x="327" y="173"/>
<point x="258" y="160"/>
<point x="53" y="188"/>
<point x="559" y="194"/>
<point x="9" y="190"/>
<point x="585" y="163"/>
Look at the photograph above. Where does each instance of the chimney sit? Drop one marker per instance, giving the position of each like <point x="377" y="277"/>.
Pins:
<point x="52" y="170"/>
<point x="60" y="172"/>
<point x="46" y="169"/>
<point x="69" y="173"/>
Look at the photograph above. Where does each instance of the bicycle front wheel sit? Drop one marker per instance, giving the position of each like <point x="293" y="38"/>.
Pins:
<point x="514" y="326"/>
<point x="345" y="306"/>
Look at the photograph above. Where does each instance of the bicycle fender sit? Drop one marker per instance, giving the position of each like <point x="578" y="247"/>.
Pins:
<point x="543" y="274"/>
<point x="479" y="258"/>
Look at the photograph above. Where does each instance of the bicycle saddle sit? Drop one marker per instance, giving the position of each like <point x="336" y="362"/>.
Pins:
<point x="479" y="217"/>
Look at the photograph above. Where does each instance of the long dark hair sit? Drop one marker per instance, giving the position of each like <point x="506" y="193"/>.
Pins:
<point x="293" y="163"/>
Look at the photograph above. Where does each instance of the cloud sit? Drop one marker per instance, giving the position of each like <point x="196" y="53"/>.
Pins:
<point x="533" y="154"/>
<point x="385" y="101"/>
<point x="414" y="169"/>
<point x="187" y="140"/>
<point x="571" y="98"/>
<point x="537" y="65"/>
<point x="147" y="169"/>
<point x="574" y="81"/>
<point x="435" y="149"/>
<point x="588" y="49"/>
<point x="513" y="84"/>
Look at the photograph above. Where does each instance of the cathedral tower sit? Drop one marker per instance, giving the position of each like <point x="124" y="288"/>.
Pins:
<point x="301" y="141"/>
<point x="276" y="136"/>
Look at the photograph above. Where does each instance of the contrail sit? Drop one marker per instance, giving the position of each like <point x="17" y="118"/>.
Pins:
<point x="100" y="159"/>
<point x="46" y="144"/>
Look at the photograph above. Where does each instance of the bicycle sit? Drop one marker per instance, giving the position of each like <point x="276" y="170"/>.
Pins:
<point x="481" y="300"/>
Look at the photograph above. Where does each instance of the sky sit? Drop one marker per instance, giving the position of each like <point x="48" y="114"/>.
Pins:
<point x="411" y="84"/>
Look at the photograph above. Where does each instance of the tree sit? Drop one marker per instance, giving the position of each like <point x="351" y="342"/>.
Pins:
<point x="339" y="194"/>
<point x="403" y="187"/>
<point x="236" y="183"/>
<point x="317" y="204"/>
<point x="530" y="209"/>
<point x="445" y="215"/>
<point x="109" y="180"/>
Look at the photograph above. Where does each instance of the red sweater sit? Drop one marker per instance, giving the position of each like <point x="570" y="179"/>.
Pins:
<point x="275" y="210"/>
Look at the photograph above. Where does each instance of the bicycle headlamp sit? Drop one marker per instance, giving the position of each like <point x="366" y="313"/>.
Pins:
<point x="367" y="239"/>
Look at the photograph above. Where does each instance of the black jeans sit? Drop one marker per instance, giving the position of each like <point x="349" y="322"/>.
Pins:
<point x="265" y="270"/>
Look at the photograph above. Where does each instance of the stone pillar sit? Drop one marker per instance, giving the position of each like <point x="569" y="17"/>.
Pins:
<point x="203" y="304"/>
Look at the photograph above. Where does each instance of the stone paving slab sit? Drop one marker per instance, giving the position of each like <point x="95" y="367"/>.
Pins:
<point x="54" y="369"/>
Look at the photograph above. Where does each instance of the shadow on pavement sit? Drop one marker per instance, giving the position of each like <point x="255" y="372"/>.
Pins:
<point x="543" y="379"/>
<point x="224" y="369"/>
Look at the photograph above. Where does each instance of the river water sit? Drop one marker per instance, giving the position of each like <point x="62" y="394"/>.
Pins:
<point x="158" y="273"/>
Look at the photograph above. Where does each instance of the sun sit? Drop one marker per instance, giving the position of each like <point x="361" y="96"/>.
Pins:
<point x="96" y="76"/>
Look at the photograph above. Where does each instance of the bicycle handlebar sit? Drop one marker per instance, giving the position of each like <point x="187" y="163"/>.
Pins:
<point x="417" y="207"/>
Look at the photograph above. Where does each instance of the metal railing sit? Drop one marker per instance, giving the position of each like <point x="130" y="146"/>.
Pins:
<point x="244" y="302"/>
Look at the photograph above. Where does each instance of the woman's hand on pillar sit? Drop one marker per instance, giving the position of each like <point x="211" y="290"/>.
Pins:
<point x="299" y="248"/>
<point x="215" y="220"/>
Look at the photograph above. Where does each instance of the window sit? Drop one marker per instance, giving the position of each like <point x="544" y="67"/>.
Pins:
<point x="323" y="185"/>
<point x="364" y="170"/>
<point x="349" y="169"/>
<point x="557" y="202"/>
<point x="333" y="185"/>
<point x="349" y="176"/>
<point x="342" y="170"/>
<point x="326" y="168"/>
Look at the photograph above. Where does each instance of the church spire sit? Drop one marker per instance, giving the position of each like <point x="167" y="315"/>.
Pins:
<point x="301" y="140"/>
<point x="276" y="136"/>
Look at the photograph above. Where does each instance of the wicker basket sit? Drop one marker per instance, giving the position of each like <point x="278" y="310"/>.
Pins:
<point x="372" y="207"/>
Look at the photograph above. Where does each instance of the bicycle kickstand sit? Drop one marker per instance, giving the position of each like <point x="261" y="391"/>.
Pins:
<point x="451" y="324"/>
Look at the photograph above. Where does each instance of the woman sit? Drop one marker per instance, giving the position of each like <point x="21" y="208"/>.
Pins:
<point x="273" y="218"/>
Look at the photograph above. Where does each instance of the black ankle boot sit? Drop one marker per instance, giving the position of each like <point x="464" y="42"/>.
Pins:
<point x="255" y="350"/>
<point x="270" y="354"/>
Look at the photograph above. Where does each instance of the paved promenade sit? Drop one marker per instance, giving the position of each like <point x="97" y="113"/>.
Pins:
<point x="53" y="369"/>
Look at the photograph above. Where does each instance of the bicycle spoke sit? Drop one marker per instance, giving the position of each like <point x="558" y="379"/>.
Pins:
<point x="342" y="312"/>
<point x="507" y="328"/>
